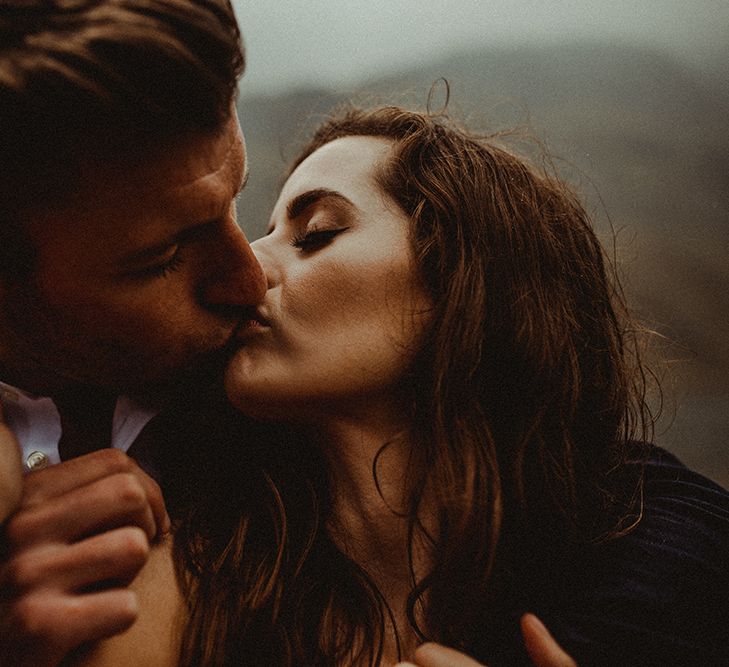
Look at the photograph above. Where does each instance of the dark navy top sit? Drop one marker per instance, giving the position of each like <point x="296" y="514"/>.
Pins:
<point x="656" y="596"/>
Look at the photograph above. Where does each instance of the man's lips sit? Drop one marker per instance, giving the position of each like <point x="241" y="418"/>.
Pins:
<point x="253" y="322"/>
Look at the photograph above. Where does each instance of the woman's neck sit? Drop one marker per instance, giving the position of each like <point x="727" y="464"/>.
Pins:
<point x="370" y="461"/>
<point x="370" y="502"/>
<point x="368" y="458"/>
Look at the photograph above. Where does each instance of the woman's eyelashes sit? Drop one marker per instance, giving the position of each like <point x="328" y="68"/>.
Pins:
<point x="313" y="238"/>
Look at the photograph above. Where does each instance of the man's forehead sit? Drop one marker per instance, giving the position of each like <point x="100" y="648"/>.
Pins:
<point x="189" y="181"/>
<point x="175" y="166"/>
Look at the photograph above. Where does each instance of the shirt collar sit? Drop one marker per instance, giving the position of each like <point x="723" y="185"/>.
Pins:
<point x="37" y="424"/>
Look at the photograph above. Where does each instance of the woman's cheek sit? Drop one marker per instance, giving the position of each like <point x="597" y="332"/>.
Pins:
<point x="324" y="292"/>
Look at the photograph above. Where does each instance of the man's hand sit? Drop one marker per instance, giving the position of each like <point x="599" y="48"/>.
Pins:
<point x="80" y="537"/>
<point x="11" y="473"/>
<point x="541" y="646"/>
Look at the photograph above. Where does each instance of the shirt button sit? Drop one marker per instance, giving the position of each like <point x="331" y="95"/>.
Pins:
<point x="36" y="461"/>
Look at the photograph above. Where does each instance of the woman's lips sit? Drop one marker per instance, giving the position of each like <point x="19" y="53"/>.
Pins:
<point x="253" y="324"/>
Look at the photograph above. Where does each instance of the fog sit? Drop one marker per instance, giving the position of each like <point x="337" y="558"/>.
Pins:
<point x="323" y="42"/>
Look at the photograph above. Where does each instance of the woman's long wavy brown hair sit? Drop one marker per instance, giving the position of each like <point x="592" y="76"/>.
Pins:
<point x="526" y="396"/>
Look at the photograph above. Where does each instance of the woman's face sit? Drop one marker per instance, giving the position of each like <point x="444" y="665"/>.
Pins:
<point x="344" y="310"/>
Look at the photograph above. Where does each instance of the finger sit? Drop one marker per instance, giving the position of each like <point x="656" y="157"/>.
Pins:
<point x="541" y="646"/>
<point x="435" y="655"/>
<point x="76" y="473"/>
<point x="112" y="502"/>
<point x="57" y="480"/>
<point x="112" y="559"/>
<point x="43" y="628"/>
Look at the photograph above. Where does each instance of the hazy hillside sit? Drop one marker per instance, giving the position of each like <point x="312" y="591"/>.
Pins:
<point x="644" y="138"/>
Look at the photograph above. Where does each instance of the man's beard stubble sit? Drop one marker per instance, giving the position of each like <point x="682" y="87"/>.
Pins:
<point x="41" y="352"/>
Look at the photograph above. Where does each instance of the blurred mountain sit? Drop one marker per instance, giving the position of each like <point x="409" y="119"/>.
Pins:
<point x="642" y="136"/>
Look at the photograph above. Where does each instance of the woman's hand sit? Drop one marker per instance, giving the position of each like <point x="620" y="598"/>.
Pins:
<point x="435" y="655"/>
<point x="541" y="646"/>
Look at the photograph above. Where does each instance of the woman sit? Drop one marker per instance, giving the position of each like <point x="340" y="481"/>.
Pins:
<point x="449" y="412"/>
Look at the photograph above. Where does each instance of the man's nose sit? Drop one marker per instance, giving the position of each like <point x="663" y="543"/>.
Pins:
<point x="238" y="278"/>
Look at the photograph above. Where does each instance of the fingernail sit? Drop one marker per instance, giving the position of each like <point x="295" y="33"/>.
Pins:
<point x="535" y="622"/>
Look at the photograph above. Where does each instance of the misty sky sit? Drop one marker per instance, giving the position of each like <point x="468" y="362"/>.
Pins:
<point x="336" y="41"/>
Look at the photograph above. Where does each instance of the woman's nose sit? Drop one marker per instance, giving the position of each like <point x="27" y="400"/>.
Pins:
<point x="266" y="259"/>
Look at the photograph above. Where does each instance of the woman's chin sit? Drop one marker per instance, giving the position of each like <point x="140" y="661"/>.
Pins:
<point x="251" y="394"/>
<point x="242" y="394"/>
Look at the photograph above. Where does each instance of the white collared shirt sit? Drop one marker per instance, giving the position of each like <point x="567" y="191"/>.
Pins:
<point x="37" y="424"/>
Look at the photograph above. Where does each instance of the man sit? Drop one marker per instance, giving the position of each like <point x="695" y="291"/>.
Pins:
<point x="123" y="278"/>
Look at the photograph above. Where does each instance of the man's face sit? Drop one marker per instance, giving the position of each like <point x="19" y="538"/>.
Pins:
<point x="141" y="276"/>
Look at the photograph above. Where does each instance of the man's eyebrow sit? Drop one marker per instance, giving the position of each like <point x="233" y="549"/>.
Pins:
<point x="152" y="252"/>
<point x="305" y="200"/>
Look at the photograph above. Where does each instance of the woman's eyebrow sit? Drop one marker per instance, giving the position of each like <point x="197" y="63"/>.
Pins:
<point x="303" y="201"/>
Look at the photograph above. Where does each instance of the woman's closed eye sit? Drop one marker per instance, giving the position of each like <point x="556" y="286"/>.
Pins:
<point x="313" y="239"/>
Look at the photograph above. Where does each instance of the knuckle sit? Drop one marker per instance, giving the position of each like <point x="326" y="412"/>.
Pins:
<point x="11" y="531"/>
<point x="121" y="608"/>
<point x="154" y="488"/>
<point x="127" y="606"/>
<point x="34" y="619"/>
<point x="21" y="573"/>
<point x="18" y="528"/>
<point x="115" y="460"/>
<point x="134" y="544"/>
<point x="130" y="492"/>
<point x="31" y="482"/>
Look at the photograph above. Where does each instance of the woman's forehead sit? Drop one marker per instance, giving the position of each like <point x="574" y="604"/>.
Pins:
<point x="347" y="165"/>
<point x="344" y="158"/>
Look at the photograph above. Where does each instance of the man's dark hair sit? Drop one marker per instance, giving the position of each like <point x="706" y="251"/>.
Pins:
<point x="103" y="80"/>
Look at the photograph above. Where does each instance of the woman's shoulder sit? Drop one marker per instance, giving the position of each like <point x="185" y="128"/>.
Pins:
<point x="153" y="640"/>
<point x="684" y="522"/>
<point x="666" y="476"/>
<point x="660" y="593"/>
